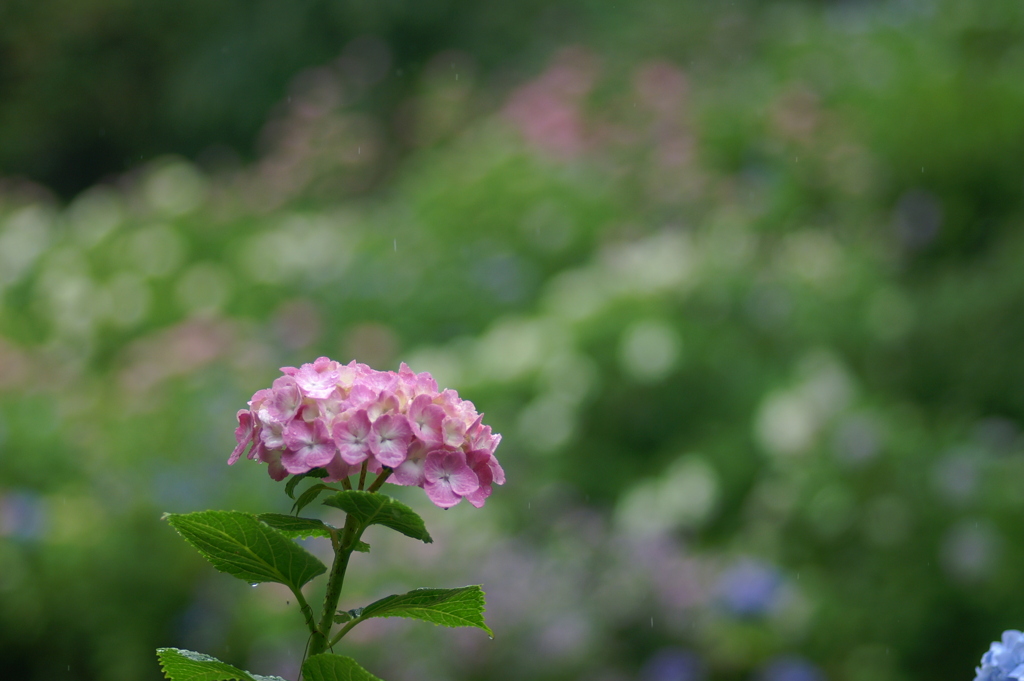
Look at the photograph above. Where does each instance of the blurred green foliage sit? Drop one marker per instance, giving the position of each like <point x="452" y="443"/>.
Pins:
<point x="89" y="89"/>
<point x="739" y="286"/>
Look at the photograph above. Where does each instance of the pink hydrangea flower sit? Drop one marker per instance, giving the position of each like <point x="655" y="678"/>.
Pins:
<point x="352" y="437"/>
<point x="344" y="417"/>
<point x="307" y="446"/>
<point x="447" y="477"/>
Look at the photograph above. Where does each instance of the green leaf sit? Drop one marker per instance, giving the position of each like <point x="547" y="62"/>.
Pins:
<point x="289" y="487"/>
<point x="294" y="527"/>
<point x="309" y="496"/>
<point x="185" y="665"/>
<point x="462" y="607"/>
<point x="329" y="667"/>
<point x="299" y="528"/>
<point x="240" y="545"/>
<point x="377" y="509"/>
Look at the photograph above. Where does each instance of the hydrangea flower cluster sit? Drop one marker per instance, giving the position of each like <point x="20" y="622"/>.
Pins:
<point x="341" y="417"/>
<point x="1004" y="660"/>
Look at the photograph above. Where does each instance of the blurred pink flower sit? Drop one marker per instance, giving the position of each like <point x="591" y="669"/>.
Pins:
<point x="546" y="111"/>
<point x="662" y="88"/>
<point x="175" y="351"/>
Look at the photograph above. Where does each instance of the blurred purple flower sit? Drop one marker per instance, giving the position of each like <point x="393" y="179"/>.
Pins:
<point x="673" y="664"/>
<point x="22" y="515"/>
<point x="790" y="668"/>
<point x="955" y="476"/>
<point x="749" y="588"/>
<point x="917" y="219"/>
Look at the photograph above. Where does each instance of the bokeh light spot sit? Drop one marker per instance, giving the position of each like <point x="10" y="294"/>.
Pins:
<point x="157" y="250"/>
<point x="203" y="288"/>
<point x="649" y="350"/>
<point x="23" y="237"/>
<point x="685" y="495"/>
<point x="547" y="423"/>
<point x="130" y="298"/>
<point x="175" y="188"/>
<point x="970" y="550"/>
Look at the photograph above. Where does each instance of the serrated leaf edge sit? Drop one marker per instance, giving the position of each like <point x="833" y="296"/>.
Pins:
<point x="170" y="519"/>
<point x="356" y="495"/>
<point x="245" y="676"/>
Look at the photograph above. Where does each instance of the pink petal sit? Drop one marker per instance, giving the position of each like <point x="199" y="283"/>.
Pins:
<point x="319" y="379"/>
<point x="454" y="432"/>
<point x="426" y="419"/>
<point x="272" y="435"/>
<point x="485" y="466"/>
<point x="478" y="462"/>
<point x="257" y="441"/>
<point x="381" y="381"/>
<point x="449" y="466"/>
<point x="389" y="440"/>
<point x="373" y="466"/>
<point x="272" y="457"/>
<point x="338" y="470"/>
<point x="243" y="434"/>
<point x="294" y="462"/>
<point x="309" y="446"/>
<point x="259" y="398"/>
<point x="277" y="471"/>
<point x="283" y="402"/>
<point x="478" y="497"/>
<point x="360" y="397"/>
<point x="479" y="436"/>
<point x="497" y="472"/>
<point x="385" y="403"/>
<point x="410" y="471"/>
<point x="450" y="402"/>
<point x="464" y="481"/>
<point x="435" y="469"/>
<point x="308" y="412"/>
<point x="297" y="434"/>
<point x="441" y="494"/>
<point x="321" y="455"/>
<point x="351" y="437"/>
<point x="331" y="406"/>
<point x="418" y="384"/>
<point x="353" y="373"/>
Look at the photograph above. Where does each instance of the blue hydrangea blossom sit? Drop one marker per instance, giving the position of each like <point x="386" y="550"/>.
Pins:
<point x="1004" y="660"/>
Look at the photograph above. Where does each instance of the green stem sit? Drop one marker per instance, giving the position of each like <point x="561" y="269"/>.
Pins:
<point x="380" y="480"/>
<point x="343" y="549"/>
<point x="345" y="630"/>
<point x="307" y="612"/>
<point x="350" y="536"/>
